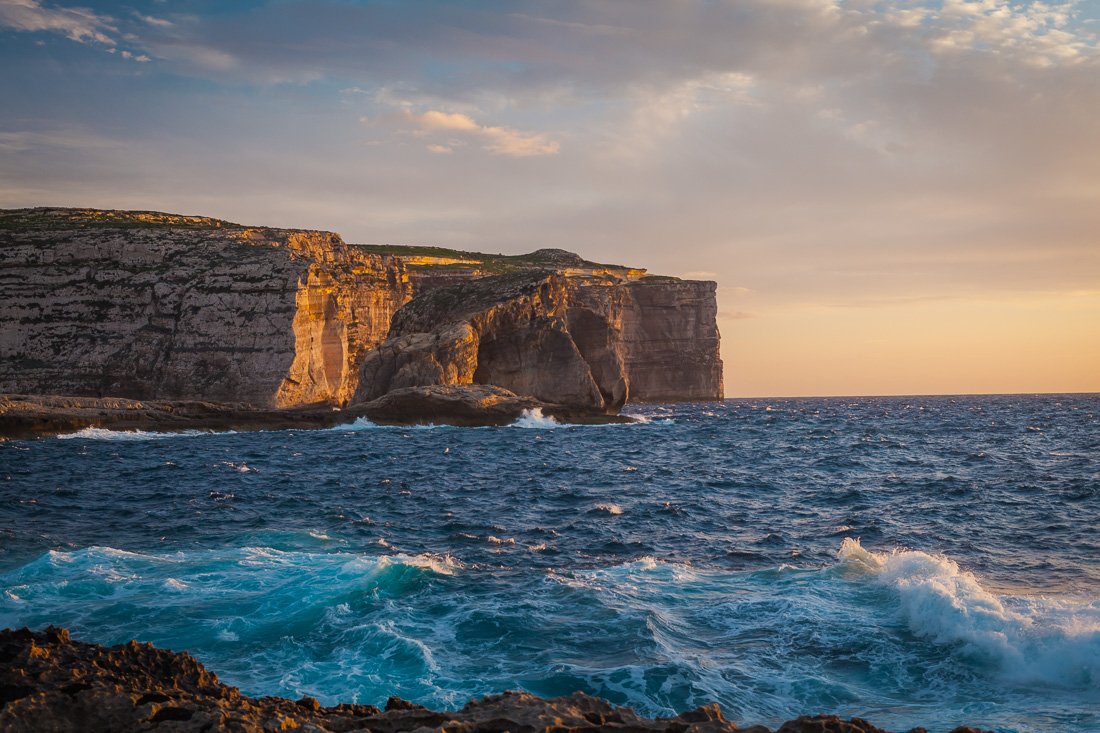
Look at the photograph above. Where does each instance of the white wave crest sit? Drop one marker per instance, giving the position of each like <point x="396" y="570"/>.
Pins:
<point x="359" y="423"/>
<point x="129" y="435"/>
<point x="1029" y="639"/>
<point x="609" y="508"/>
<point x="533" y="418"/>
<point x="439" y="564"/>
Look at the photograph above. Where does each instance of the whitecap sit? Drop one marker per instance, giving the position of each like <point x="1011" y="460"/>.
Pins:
<point x="610" y="508"/>
<point x="130" y="435"/>
<point x="533" y="418"/>
<point x="440" y="564"/>
<point x="1027" y="639"/>
<point x="359" y="423"/>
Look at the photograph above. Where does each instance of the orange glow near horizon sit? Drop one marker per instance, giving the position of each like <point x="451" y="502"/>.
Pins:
<point x="1040" y="343"/>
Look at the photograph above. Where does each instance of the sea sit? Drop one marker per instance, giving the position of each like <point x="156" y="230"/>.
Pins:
<point x="914" y="561"/>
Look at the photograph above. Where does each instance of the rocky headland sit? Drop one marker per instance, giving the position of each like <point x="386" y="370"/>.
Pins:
<point x="49" y="682"/>
<point x="199" y="319"/>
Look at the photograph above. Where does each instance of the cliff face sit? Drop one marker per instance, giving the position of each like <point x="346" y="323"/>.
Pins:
<point x="160" y="306"/>
<point x="671" y="340"/>
<point x="184" y="307"/>
<point x="584" y="341"/>
<point x="511" y="331"/>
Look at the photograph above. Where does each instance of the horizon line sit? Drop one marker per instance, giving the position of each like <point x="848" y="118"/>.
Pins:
<point x="911" y="394"/>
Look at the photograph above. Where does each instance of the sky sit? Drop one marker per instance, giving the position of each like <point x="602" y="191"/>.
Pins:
<point x="894" y="197"/>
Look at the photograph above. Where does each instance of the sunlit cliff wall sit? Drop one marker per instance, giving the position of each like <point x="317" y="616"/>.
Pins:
<point x="149" y="305"/>
<point x="187" y="308"/>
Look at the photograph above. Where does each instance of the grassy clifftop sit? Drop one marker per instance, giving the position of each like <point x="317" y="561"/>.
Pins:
<point x="424" y="260"/>
<point x="46" y="218"/>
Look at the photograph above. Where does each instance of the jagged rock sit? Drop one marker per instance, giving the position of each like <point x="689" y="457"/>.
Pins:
<point x="48" y="682"/>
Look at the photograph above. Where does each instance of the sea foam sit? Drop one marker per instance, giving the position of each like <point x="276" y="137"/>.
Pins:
<point x="127" y="435"/>
<point x="1028" y="639"/>
<point x="534" y="419"/>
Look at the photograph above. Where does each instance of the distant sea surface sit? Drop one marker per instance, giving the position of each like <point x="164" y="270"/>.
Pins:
<point x="915" y="561"/>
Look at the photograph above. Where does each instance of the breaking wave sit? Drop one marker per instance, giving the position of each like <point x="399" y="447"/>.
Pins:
<point x="130" y="435"/>
<point x="1026" y="639"/>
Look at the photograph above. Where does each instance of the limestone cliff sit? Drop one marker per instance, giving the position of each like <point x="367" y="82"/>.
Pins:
<point x="160" y="306"/>
<point x="585" y="341"/>
<point x="145" y="305"/>
<point x="509" y="330"/>
<point x="670" y="340"/>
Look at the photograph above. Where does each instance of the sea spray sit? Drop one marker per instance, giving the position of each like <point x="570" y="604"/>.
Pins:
<point x="1029" y="640"/>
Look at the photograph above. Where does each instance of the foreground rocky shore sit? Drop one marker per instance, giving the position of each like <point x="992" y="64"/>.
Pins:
<point x="49" y="682"/>
<point x="31" y="416"/>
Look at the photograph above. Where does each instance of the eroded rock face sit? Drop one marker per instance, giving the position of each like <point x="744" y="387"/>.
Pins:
<point x="48" y="682"/>
<point x="165" y="307"/>
<point x="187" y="307"/>
<point x="511" y="331"/>
<point x="670" y="341"/>
<point x="592" y="342"/>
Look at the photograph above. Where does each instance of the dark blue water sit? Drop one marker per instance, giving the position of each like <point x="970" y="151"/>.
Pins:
<point x="913" y="560"/>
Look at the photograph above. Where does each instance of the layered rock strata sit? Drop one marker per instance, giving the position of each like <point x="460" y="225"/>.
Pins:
<point x="48" y="682"/>
<point x="161" y="306"/>
<point x="154" y="306"/>
<point x="592" y="342"/>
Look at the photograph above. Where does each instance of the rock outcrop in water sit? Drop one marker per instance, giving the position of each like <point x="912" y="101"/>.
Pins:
<point x="48" y="682"/>
<point x="154" y="306"/>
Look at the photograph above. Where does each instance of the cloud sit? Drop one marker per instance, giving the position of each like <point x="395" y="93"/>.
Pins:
<point x="19" y="141"/>
<point x="496" y="140"/>
<point x="130" y="56"/>
<point x="154" y="21"/>
<point x="78" y="24"/>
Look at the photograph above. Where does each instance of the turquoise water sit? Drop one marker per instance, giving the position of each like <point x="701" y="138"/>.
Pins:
<point x="916" y="561"/>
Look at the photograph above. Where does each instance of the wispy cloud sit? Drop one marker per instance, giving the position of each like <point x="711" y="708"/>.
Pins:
<point x="78" y="24"/>
<point x="495" y="139"/>
<point x="154" y="21"/>
<point x="19" y="141"/>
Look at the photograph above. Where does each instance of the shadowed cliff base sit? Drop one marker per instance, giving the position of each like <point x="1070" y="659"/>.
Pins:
<point x="473" y="405"/>
<point x="48" y="682"/>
